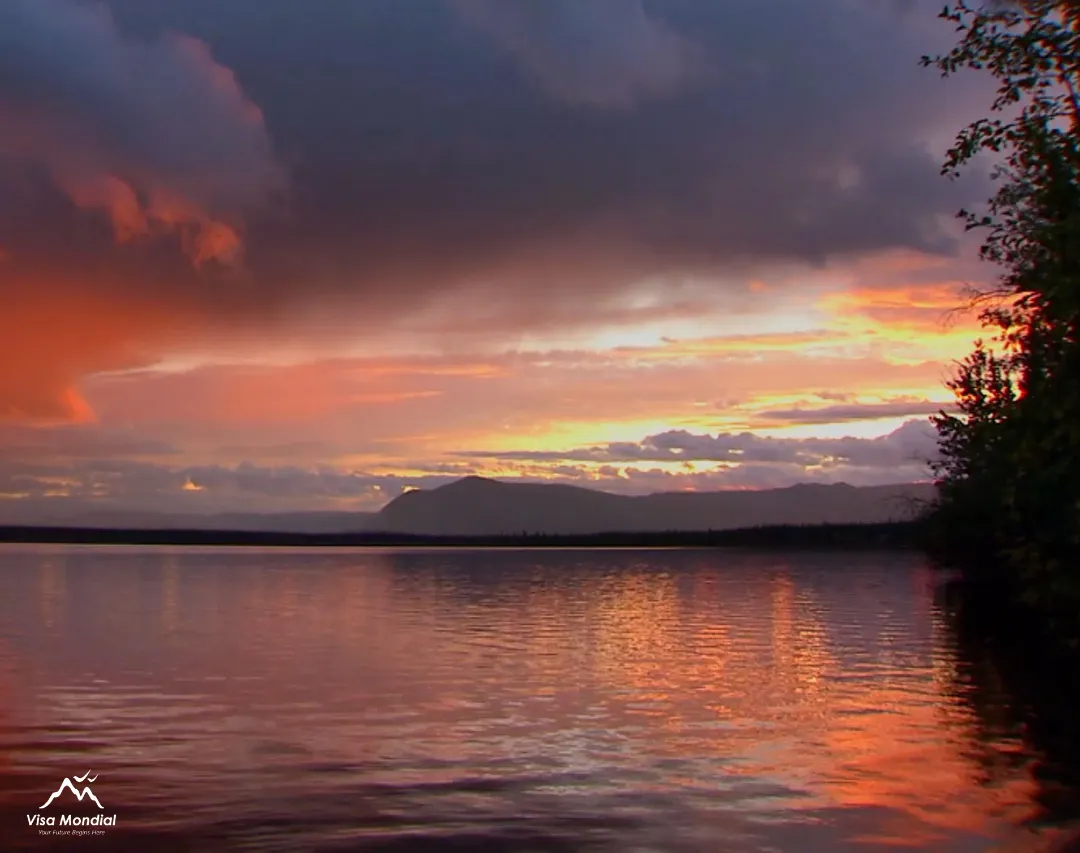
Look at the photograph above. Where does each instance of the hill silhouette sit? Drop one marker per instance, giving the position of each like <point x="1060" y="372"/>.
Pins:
<point x="477" y="506"/>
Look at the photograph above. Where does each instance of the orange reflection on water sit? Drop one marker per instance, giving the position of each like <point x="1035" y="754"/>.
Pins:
<point x="748" y="685"/>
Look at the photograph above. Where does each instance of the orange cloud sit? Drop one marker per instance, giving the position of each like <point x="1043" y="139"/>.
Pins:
<point x="157" y="139"/>
<point x="258" y="395"/>
<point x="116" y="198"/>
<point x="924" y="308"/>
<point x="53" y="334"/>
<point x="202" y="238"/>
<point x="156" y="135"/>
<point x="736" y="345"/>
<point x="404" y="410"/>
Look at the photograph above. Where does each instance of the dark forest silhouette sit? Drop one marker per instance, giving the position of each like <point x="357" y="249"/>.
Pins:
<point x="1009" y="479"/>
<point x="891" y="535"/>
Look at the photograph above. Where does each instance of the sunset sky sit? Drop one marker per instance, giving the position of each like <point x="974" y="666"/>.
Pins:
<point x="277" y="255"/>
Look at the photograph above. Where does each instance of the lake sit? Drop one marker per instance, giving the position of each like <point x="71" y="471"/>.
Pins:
<point x="501" y="700"/>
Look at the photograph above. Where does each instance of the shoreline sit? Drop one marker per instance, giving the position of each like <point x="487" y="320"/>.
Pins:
<point x="893" y="536"/>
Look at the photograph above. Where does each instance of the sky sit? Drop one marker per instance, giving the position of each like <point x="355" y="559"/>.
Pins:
<point x="282" y="255"/>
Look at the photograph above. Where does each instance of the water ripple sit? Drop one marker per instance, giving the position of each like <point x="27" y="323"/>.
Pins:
<point x="503" y="701"/>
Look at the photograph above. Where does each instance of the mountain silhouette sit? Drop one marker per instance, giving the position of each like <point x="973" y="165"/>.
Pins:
<point x="476" y="506"/>
<point x="85" y="792"/>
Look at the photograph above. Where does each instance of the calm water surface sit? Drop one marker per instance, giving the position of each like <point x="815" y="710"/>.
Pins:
<point x="500" y="700"/>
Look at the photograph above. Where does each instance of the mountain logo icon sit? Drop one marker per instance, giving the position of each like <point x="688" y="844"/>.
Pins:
<point x="85" y="792"/>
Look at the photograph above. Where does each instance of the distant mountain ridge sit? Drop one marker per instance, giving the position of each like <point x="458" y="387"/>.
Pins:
<point x="476" y="506"/>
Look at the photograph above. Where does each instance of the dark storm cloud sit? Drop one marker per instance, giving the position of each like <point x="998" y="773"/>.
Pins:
<point x="153" y="133"/>
<point x="606" y="53"/>
<point x="441" y="155"/>
<point x="128" y="169"/>
<point x="426" y="153"/>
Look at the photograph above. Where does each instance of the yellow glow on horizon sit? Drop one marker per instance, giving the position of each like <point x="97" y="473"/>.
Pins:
<point x="579" y="434"/>
<point x="850" y="335"/>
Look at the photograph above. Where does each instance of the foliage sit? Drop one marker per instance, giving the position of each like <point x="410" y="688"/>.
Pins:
<point x="1009" y="478"/>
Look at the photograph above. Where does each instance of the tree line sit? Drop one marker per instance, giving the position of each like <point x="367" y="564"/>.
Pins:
<point x="1008" y="510"/>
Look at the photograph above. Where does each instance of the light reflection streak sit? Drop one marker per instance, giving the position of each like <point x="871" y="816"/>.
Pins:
<point x="750" y="691"/>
